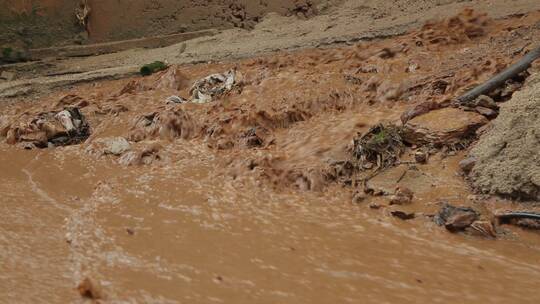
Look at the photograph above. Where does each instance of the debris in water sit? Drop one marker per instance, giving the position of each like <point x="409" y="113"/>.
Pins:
<point x="375" y="206"/>
<point x="90" y="289"/>
<point x="146" y="156"/>
<point x="211" y="86"/>
<point x="66" y="127"/>
<point x="402" y="196"/>
<point x="382" y="145"/>
<point x="112" y="145"/>
<point x="403" y="215"/>
<point x="456" y="218"/>
<point x="421" y="157"/>
<point x="168" y="124"/>
<point x="358" y="197"/>
<point x="484" y="228"/>
<point x="530" y="220"/>
<point x="176" y="100"/>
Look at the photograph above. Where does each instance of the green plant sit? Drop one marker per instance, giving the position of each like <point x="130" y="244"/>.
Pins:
<point x="149" y="69"/>
<point x="6" y="52"/>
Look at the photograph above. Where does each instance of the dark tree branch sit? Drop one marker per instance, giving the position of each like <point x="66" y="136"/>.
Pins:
<point x="499" y="79"/>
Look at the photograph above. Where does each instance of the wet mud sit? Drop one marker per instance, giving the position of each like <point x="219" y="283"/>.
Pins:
<point x="256" y="195"/>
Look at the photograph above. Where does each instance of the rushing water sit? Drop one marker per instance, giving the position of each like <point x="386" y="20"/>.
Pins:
<point x="196" y="237"/>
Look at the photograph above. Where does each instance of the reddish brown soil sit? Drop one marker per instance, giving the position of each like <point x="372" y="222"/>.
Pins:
<point x="44" y="23"/>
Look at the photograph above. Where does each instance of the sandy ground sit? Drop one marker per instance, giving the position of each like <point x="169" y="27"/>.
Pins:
<point x="350" y="22"/>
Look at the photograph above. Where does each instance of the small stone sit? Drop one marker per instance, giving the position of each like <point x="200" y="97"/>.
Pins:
<point x="420" y="157"/>
<point x="486" y="102"/>
<point x="456" y="218"/>
<point x="367" y="166"/>
<point x="114" y="145"/>
<point x="375" y="206"/>
<point x="484" y="228"/>
<point x="90" y="289"/>
<point x="402" y="196"/>
<point x="467" y="164"/>
<point x="403" y="215"/>
<point x="489" y="113"/>
<point x="130" y="231"/>
<point x="9" y="76"/>
<point x="358" y="197"/>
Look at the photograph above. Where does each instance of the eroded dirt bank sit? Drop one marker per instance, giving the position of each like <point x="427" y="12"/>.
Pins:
<point x="34" y="24"/>
<point x="254" y="196"/>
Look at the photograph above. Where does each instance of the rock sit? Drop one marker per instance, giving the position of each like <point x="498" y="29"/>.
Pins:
<point x="114" y="145"/>
<point x="447" y="126"/>
<point x="484" y="228"/>
<point x="359" y="197"/>
<point x="175" y="100"/>
<point x="9" y="76"/>
<point x="456" y="218"/>
<point x="486" y="102"/>
<point x="403" y="215"/>
<point x="420" y="157"/>
<point x="90" y="289"/>
<point x="375" y="206"/>
<point x="487" y="112"/>
<point x="467" y="164"/>
<point x="418" y="110"/>
<point x="402" y="196"/>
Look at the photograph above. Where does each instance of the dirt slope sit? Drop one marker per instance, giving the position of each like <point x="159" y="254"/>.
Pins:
<point x="508" y="156"/>
<point x="52" y="22"/>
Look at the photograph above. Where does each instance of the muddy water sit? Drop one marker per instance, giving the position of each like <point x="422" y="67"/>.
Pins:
<point x="200" y="237"/>
<point x="186" y="230"/>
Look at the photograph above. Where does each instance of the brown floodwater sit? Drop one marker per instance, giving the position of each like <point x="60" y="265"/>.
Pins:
<point x="200" y="237"/>
<point x="215" y="220"/>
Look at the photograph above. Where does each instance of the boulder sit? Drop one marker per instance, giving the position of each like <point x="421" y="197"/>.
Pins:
<point x="456" y="218"/>
<point x="113" y="145"/>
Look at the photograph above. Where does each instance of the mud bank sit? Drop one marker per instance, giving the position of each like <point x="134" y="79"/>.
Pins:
<point x="34" y="24"/>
